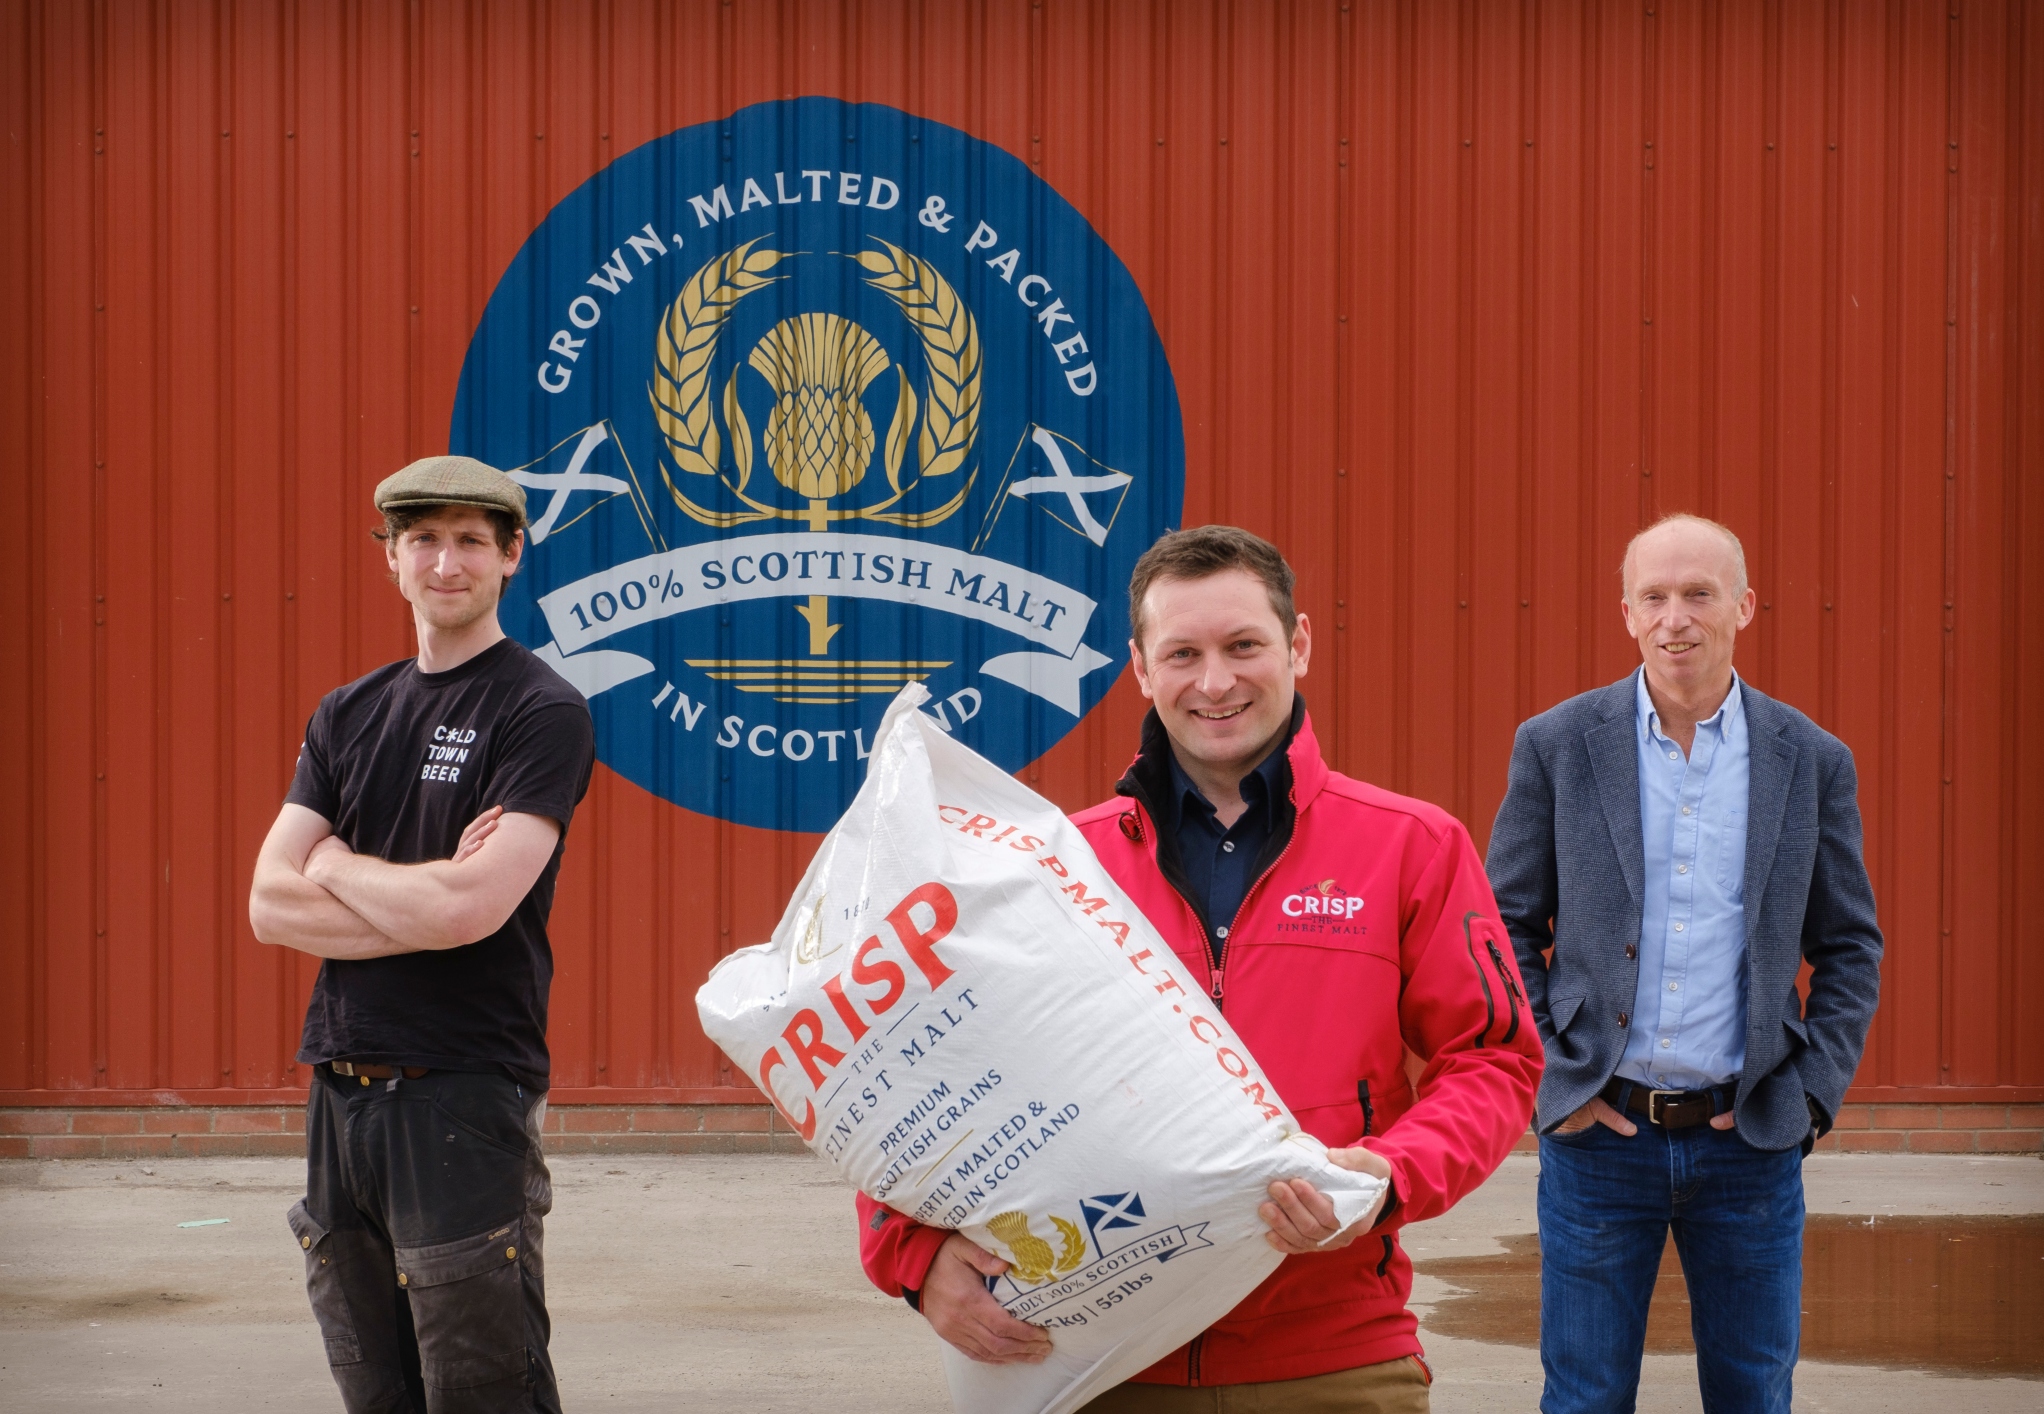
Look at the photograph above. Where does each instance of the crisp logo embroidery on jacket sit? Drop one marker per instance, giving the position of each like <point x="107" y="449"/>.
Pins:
<point x="1326" y="899"/>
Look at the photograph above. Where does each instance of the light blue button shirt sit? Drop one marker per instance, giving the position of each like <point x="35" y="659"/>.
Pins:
<point x="1689" y="1012"/>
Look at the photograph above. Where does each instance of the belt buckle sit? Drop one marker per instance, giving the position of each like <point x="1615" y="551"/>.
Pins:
<point x="1655" y="1100"/>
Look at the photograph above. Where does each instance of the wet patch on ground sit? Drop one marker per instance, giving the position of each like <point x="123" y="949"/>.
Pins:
<point x="1959" y="1295"/>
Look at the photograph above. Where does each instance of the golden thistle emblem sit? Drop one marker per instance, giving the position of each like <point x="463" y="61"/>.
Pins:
<point x="1030" y="1256"/>
<point x="820" y="439"/>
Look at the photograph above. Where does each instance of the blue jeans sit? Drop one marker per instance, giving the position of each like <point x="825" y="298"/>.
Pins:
<point x="1606" y="1205"/>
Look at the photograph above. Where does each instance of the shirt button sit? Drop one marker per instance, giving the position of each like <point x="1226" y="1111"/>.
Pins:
<point x="1682" y="869"/>
<point x="1674" y="986"/>
<point x="1665" y="1043"/>
<point x="1220" y="932"/>
<point x="1227" y="846"/>
<point x="1678" y="927"/>
<point x="1685" y="810"/>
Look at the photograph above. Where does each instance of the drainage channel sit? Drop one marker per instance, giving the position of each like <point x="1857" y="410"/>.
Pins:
<point x="1959" y="1295"/>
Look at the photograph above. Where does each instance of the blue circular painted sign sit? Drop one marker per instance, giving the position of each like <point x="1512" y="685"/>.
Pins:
<point x="810" y="404"/>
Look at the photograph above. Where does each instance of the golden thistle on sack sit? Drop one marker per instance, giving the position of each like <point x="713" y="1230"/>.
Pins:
<point x="1031" y="1258"/>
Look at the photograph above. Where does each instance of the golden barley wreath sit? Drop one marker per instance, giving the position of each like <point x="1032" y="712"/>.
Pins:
<point x="819" y="367"/>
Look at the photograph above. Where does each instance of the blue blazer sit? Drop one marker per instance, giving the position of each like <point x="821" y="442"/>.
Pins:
<point x="1567" y="863"/>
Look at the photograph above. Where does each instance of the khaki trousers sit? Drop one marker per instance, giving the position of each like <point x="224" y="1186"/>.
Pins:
<point x="1394" y="1387"/>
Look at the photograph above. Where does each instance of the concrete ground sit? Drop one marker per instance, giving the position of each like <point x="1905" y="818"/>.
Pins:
<point x="714" y="1283"/>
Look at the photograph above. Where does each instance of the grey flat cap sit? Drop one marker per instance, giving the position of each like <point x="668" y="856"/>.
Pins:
<point x="452" y="481"/>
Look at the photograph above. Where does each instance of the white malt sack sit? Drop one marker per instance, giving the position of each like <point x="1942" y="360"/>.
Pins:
<point x="969" y="1021"/>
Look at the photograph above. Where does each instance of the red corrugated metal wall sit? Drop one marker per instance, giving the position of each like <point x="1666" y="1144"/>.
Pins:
<point x="1457" y="296"/>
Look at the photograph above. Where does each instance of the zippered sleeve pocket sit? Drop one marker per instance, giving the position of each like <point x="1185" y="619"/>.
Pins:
<point x="1490" y="1005"/>
<point x="1514" y="998"/>
<point x="1489" y="962"/>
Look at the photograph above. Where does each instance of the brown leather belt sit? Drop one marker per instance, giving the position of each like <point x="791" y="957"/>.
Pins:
<point x="368" y="1073"/>
<point x="1671" y="1109"/>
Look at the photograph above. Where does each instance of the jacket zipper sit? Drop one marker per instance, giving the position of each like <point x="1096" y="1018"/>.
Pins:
<point x="1143" y="828"/>
<point x="1513" y="997"/>
<point x="1490" y="1005"/>
<point x="1192" y="1359"/>
<point x="1221" y="962"/>
<point x="1369" y="1110"/>
<point x="1385" y="1265"/>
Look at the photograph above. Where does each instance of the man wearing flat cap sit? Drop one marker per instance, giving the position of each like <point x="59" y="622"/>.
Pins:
<point x="416" y="853"/>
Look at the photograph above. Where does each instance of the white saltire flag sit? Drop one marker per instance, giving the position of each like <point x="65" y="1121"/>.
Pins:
<point x="577" y="475"/>
<point x="1084" y="500"/>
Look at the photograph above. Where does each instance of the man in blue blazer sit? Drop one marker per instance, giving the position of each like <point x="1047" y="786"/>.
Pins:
<point x="1671" y="849"/>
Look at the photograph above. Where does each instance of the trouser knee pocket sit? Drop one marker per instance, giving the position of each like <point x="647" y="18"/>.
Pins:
<point x="348" y="1281"/>
<point x="468" y="1307"/>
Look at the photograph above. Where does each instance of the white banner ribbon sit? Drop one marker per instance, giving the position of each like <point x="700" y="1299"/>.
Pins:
<point x="799" y="564"/>
<point x="1152" y="1247"/>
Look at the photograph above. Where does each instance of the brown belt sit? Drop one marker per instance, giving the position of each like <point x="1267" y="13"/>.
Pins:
<point x="368" y="1073"/>
<point x="1671" y="1109"/>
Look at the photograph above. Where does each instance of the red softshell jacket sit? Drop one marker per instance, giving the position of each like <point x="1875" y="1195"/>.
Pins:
<point x="1370" y="975"/>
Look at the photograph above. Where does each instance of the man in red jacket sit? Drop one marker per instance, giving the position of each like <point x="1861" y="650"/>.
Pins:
<point x="1351" y="937"/>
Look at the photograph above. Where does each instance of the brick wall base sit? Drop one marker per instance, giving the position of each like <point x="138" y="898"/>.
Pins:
<point x="241" y="1130"/>
<point x="1937" y="1129"/>
<point x="1922" y="1129"/>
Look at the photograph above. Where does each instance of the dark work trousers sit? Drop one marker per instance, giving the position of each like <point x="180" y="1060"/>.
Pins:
<point x="421" y="1227"/>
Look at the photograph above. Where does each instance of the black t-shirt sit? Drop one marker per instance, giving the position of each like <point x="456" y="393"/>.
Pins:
<point x="400" y="762"/>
